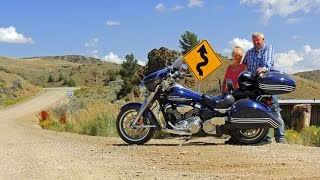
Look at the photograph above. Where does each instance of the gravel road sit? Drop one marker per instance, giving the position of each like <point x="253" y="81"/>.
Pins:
<point x="29" y="152"/>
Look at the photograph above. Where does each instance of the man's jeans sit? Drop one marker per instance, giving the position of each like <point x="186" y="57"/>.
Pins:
<point x="278" y="132"/>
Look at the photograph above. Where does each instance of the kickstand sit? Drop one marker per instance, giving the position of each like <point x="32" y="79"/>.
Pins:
<point x="185" y="141"/>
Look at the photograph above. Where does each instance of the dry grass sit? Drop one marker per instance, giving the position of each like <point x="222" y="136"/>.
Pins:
<point x="90" y="113"/>
<point x="14" y="89"/>
<point x="37" y="70"/>
<point x="305" y="89"/>
<point x="309" y="136"/>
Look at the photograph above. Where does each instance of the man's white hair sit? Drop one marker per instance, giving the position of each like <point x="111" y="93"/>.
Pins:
<point x="257" y="34"/>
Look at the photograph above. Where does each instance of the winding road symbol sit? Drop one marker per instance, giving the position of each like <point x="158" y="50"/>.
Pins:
<point x="202" y="50"/>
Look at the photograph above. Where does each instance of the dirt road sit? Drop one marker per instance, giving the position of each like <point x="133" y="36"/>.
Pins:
<point x="29" y="152"/>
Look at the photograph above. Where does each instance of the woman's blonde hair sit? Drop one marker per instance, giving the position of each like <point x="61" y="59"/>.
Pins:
<point x="237" y="49"/>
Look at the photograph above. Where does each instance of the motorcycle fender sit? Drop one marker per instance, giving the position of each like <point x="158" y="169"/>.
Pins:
<point x="248" y="114"/>
<point x="149" y="114"/>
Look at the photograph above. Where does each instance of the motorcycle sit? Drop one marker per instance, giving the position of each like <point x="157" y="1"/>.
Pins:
<point x="244" y="114"/>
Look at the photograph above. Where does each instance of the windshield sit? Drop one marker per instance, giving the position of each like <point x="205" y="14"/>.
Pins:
<point x="178" y="62"/>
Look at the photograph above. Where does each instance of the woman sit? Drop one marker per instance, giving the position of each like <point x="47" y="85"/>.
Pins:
<point x="234" y="69"/>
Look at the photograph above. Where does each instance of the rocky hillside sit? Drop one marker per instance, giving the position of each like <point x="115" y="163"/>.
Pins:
<point x="310" y="75"/>
<point x="55" y="71"/>
<point x="69" y="58"/>
<point x="74" y="70"/>
<point x="13" y="88"/>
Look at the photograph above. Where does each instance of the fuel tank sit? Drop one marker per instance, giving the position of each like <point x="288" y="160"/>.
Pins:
<point x="180" y="94"/>
<point x="248" y="114"/>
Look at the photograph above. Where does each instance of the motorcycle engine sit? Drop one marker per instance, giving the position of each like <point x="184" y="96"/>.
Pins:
<point x="210" y="125"/>
<point x="179" y="112"/>
<point x="192" y="124"/>
<point x="184" y="117"/>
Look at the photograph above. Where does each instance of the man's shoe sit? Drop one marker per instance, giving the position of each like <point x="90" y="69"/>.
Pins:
<point x="282" y="141"/>
<point x="230" y="141"/>
<point x="267" y="141"/>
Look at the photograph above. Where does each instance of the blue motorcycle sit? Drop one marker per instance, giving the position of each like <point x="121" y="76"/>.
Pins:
<point x="244" y="114"/>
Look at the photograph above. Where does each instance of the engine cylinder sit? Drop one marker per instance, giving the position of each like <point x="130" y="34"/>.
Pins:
<point x="192" y="124"/>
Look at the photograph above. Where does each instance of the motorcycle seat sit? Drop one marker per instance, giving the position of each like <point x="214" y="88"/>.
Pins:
<point x="223" y="101"/>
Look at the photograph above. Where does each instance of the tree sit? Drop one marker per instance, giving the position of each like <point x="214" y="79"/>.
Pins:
<point x="61" y="77"/>
<point x="128" y="74"/>
<point x="111" y="75"/>
<point x="188" y="41"/>
<point x="71" y="83"/>
<point x="50" y="79"/>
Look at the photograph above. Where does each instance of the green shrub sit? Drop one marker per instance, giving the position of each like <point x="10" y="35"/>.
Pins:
<point x="50" y="79"/>
<point x="309" y="136"/>
<point x="11" y="101"/>
<point x="293" y="136"/>
<point x="46" y="124"/>
<point x="102" y="125"/>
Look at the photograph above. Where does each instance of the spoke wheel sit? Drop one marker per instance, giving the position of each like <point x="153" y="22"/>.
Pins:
<point x="130" y="134"/>
<point x="249" y="136"/>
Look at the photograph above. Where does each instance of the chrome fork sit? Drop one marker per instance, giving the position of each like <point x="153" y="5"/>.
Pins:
<point x="144" y="106"/>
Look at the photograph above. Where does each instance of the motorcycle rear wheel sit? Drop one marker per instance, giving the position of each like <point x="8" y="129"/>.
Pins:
<point x="133" y="135"/>
<point x="249" y="136"/>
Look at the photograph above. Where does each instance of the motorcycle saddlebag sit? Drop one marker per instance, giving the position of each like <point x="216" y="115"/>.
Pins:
<point x="249" y="114"/>
<point x="276" y="82"/>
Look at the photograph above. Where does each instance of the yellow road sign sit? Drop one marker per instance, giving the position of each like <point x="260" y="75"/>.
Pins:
<point x="202" y="60"/>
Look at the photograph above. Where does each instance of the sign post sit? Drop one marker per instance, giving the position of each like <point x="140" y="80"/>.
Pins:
<point x="70" y="94"/>
<point x="202" y="60"/>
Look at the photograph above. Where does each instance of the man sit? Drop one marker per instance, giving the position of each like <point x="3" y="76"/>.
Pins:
<point x="259" y="59"/>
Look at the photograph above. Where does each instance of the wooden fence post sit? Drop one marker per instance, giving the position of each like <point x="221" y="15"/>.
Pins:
<point x="300" y="116"/>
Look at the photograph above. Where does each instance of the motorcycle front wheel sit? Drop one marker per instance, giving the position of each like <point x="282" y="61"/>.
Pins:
<point x="133" y="135"/>
<point x="249" y="136"/>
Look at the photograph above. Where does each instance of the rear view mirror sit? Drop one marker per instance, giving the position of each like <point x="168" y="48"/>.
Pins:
<point x="184" y="66"/>
<point x="230" y="86"/>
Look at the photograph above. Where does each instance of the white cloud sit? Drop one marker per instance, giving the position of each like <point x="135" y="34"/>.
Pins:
<point x="291" y="62"/>
<point x="94" y="53"/>
<point x="141" y="63"/>
<point x="191" y="4"/>
<point x="294" y="20"/>
<point x="91" y="46"/>
<point x="177" y="7"/>
<point x="220" y="7"/>
<point x="10" y="35"/>
<point x="243" y="43"/>
<point x="195" y="3"/>
<point x="111" y="57"/>
<point x="160" y="7"/>
<point x="286" y="61"/>
<point x="92" y="43"/>
<point x="282" y="8"/>
<point x="112" y="23"/>
<point x="296" y="37"/>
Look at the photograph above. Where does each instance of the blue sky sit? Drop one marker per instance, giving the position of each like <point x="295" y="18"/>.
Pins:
<point x="111" y="29"/>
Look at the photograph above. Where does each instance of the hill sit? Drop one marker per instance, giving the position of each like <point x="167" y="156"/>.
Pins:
<point x="310" y="75"/>
<point x="83" y="71"/>
<point x="13" y="88"/>
<point x="69" y="58"/>
<point x="87" y="71"/>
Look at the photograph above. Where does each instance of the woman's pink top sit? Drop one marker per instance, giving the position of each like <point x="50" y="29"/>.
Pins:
<point x="233" y="75"/>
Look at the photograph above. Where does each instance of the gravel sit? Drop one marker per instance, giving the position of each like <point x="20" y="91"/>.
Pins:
<point x="29" y="152"/>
